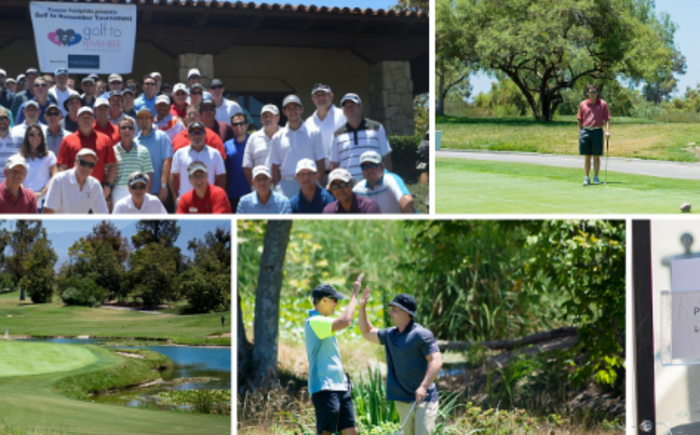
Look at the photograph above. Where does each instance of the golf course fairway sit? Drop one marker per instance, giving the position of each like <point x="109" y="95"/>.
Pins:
<point x="477" y="186"/>
<point x="30" y="406"/>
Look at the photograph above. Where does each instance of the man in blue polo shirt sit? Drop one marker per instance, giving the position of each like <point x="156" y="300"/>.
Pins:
<point x="413" y="361"/>
<point x="329" y="387"/>
<point x="312" y="198"/>
<point x="385" y="188"/>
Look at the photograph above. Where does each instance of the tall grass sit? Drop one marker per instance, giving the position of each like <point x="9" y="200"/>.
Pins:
<point x="369" y="396"/>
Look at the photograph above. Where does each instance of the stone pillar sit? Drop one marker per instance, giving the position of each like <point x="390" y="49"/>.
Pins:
<point x="203" y="62"/>
<point x="390" y="91"/>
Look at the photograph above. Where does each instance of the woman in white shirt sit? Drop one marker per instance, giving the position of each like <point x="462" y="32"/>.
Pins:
<point x="41" y="161"/>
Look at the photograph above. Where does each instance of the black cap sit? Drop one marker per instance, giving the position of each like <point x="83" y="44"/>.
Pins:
<point x="71" y="96"/>
<point x="127" y="90"/>
<point x="197" y="86"/>
<point x="327" y="291"/>
<point x="215" y="82"/>
<point x="208" y="101"/>
<point x="195" y="124"/>
<point x="115" y="92"/>
<point x="406" y="303"/>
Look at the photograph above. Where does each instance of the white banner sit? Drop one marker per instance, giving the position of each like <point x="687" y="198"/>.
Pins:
<point x="84" y="37"/>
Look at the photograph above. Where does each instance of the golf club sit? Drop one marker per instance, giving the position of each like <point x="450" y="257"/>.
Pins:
<point x="607" y="156"/>
<point x="405" y="419"/>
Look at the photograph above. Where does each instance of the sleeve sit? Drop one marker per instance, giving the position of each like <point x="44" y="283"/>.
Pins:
<point x="182" y="205"/>
<point x="221" y="205"/>
<point x="396" y="186"/>
<point x="161" y="208"/>
<point x="428" y="344"/>
<point x="248" y="154"/>
<point x="166" y="146"/>
<point x="383" y="142"/>
<point x="286" y="207"/>
<point x="51" y="159"/>
<point x="381" y="336"/>
<point x="240" y="209"/>
<point x="175" y="167"/>
<point x="64" y="157"/>
<point x="111" y="156"/>
<point x="580" y="112"/>
<point x="16" y="103"/>
<point x="606" y="114"/>
<point x="53" y="196"/>
<point x="322" y="326"/>
<point x="217" y="144"/>
<point x="100" y="205"/>
<point x="273" y="158"/>
<point x="146" y="164"/>
<point x="319" y="150"/>
<point x="334" y="150"/>
<point x="218" y="164"/>
<point x="20" y="114"/>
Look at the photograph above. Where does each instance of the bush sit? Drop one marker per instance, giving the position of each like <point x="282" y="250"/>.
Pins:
<point x="7" y="282"/>
<point x="83" y="292"/>
<point x="404" y="156"/>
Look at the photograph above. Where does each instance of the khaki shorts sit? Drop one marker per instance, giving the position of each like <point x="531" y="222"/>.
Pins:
<point x="422" y="419"/>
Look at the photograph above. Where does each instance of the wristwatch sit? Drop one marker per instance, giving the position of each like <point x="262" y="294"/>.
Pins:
<point x="108" y="184"/>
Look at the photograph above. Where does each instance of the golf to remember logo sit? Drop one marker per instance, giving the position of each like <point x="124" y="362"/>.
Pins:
<point x="64" y="38"/>
<point x="100" y="36"/>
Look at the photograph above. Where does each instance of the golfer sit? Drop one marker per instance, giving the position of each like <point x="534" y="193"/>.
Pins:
<point x="413" y="361"/>
<point x="329" y="386"/>
<point x="593" y="114"/>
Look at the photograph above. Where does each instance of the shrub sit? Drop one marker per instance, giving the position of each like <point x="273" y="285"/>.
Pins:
<point x="404" y="156"/>
<point x="82" y="291"/>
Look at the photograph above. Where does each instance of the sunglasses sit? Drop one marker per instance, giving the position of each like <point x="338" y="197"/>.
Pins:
<point x="239" y="124"/>
<point x="4" y="118"/>
<point x="115" y="83"/>
<point x="149" y="84"/>
<point x="208" y="109"/>
<point x="217" y="87"/>
<point x="125" y="127"/>
<point x="53" y="113"/>
<point x="86" y="163"/>
<point x="337" y="186"/>
<point x="195" y="93"/>
<point x="40" y="85"/>
<point x="139" y="186"/>
<point x="197" y="132"/>
<point x="366" y="166"/>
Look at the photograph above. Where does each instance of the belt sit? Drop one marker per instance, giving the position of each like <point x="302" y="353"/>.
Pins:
<point x="592" y="128"/>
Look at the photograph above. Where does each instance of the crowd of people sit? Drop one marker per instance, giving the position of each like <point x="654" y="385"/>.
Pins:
<point x="104" y="147"/>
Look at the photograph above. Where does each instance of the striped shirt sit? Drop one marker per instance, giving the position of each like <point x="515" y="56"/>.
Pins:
<point x="349" y="143"/>
<point x="138" y="159"/>
<point x="277" y="204"/>
<point x="386" y="193"/>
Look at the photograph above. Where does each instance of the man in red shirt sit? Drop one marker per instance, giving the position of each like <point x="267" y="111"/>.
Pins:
<point x="204" y="198"/>
<point x="13" y="197"/>
<point x="103" y="124"/>
<point x="180" y="94"/>
<point x="593" y="114"/>
<point x="211" y="139"/>
<point x="87" y="137"/>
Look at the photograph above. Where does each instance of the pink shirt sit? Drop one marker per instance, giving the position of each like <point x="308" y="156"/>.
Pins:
<point x="593" y="115"/>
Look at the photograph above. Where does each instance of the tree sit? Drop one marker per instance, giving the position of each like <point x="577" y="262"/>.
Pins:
<point x="40" y="274"/>
<point x="257" y="364"/>
<point x="452" y="75"/>
<point x="95" y="259"/>
<point x="412" y="6"/>
<point x="546" y="47"/>
<point x="661" y="90"/>
<point x="106" y="232"/>
<point x="217" y="243"/>
<point x="163" y="232"/>
<point x="21" y="241"/>
<point x="152" y="275"/>
<point x="207" y="284"/>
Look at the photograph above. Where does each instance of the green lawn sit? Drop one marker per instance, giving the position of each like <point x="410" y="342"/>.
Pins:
<point x="469" y="186"/>
<point x="29" y="406"/>
<point x="629" y="137"/>
<point x="26" y="318"/>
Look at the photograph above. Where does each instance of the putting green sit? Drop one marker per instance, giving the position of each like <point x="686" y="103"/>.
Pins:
<point x="30" y="358"/>
<point x="469" y="186"/>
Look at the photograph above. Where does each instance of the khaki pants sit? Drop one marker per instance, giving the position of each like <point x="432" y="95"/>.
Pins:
<point x="422" y="419"/>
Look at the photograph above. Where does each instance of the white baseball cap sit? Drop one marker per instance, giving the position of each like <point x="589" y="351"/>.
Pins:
<point x="14" y="160"/>
<point x="163" y="99"/>
<point x="194" y="72"/>
<point x="3" y="73"/>
<point x="270" y="108"/>
<point x="291" y="99"/>
<point x="340" y="174"/>
<point x="261" y="169"/>
<point x="180" y="87"/>
<point x="101" y="102"/>
<point x="85" y="109"/>
<point x="371" y="156"/>
<point x="306" y="164"/>
<point x="87" y="152"/>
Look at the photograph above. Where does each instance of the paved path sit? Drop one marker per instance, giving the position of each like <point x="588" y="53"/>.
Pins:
<point x="655" y="168"/>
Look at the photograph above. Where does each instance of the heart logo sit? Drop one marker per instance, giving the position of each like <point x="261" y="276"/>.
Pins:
<point x="64" y="38"/>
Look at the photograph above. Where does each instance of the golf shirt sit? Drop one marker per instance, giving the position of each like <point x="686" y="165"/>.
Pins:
<point x="23" y="203"/>
<point x="289" y="146"/>
<point x="110" y="130"/>
<point x="277" y="204"/>
<point x="159" y="149"/>
<point x="227" y="109"/>
<point x="407" y="365"/>
<point x="61" y="97"/>
<point x="65" y="196"/>
<point x="69" y="125"/>
<point x="325" y="367"/>
<point x="180" y="113"/>
<point x="138" y="159"/>
<point x="213" y="202"/>
<point x="53" y="141"/>
<point x="211" y="139"/>
<point x="97" y="142"/>
<point x="151" y="205"/>
<point x="360" y="204"/>
<point x="386" y="193"/>
<point x="593" y="115"/>
<point x="257" y="150"/>
<point x="171" y="126"/>
<point x="237" y="183"/>
<point x="333" y="121"/>
<point x="143" y="101"/>
<point x="349" y="143"/>
<point x="39" y="171"/>
<point x="185" y="156"/>
<point x="223" y="130"/>
<point x="320" y="200"/>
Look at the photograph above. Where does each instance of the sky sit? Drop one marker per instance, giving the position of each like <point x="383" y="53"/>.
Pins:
<point x="684" y="13"/>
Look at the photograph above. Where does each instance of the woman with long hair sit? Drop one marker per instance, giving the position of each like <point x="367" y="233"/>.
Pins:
<point x="41" y="162"/>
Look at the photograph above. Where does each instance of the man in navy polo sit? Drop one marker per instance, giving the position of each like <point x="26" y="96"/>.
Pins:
<point x="312" y="198"/>
<point x="328" y="386"/>
<point x="236" y="184"/>
<point x="413" y="361"/>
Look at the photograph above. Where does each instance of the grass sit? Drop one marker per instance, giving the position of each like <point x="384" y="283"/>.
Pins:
<point x="466" y="186"/>
<point x="29" y="406"/>
<point x="23" y="359"/>
<point x="53" y="319"/>
<point x="630" y="137"/>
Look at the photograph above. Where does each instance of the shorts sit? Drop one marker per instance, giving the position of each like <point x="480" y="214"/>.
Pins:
<point x="334" y="411"/>
<point x="590" y="142"/>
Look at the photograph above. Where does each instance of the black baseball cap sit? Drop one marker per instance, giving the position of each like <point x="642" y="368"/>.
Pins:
<point x="406" y="303"/>
<point x="327" y="291"/>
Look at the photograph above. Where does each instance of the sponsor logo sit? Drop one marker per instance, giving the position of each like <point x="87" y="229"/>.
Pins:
<point x="64" y="38"/>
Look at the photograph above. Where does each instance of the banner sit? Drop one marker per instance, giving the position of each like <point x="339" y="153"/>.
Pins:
<point x="84" y="37"/>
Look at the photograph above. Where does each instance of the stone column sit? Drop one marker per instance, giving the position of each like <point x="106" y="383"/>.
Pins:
<point x="390" y="91"/>
<point x="203" y="62"/>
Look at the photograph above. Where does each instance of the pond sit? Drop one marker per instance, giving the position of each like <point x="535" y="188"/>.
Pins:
<point x="193" y="368"/>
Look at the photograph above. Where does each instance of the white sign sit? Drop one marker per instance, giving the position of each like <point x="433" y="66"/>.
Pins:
<point x="685" y="275"/>
<point x="685" y="318"/>
<point x="84" y="37"/>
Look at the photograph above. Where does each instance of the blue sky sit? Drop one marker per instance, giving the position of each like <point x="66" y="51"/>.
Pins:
<point x="685" y="14"/>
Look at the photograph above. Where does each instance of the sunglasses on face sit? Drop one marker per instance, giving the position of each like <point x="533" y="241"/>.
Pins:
<point x="366" y="166"/>
<point x="195" y="93"/>
<point x="53" y="113"/>
<point x="149" y="84"/>
<point x="217" y="87"/>
<point x="40" y="85"/>
<point x="239" y="124"/>
<point x="139" y="186"/>
<point x="197" y="132"/>
<point x="208" y="109"/>
<point x="125" y="127"/>
<point x="337" y="186"/>
<point x="115" y="83"/>
<point x="86" y="163"/>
